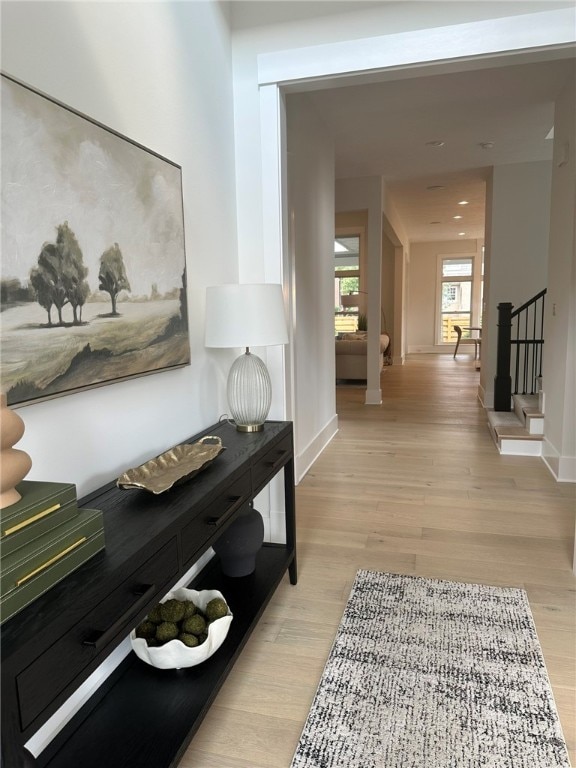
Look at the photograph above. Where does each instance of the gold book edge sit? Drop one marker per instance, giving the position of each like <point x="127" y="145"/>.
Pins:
<point x="30" y="520"/>
<point x="51" y="561"/>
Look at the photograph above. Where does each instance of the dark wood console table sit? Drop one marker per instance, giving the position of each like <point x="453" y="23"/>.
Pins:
<point x="142" y="716"/>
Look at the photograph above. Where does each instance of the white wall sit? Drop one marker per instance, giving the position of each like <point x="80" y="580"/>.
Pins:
<point x="560" y="321"/>
<point x="269" y="53"/>
<point x="361" y="194"/>
<point x="311" y="213"/>
<point x="159" y="73"/>
<point x="516" y="249"/>
<point x="387" y="288"/>
<point x="423" y="288"/>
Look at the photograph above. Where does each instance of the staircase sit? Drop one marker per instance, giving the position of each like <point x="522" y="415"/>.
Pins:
<point x="519" y="432"/>
<point x="517" y="421"/>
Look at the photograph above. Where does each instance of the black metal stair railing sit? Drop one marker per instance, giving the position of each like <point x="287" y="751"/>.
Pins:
<point x="519" y="350"/>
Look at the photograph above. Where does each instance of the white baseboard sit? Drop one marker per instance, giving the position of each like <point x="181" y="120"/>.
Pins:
<point x="441" y="349"/>
<point x="486" y="397"/>
<point x="307" y="456"/>
<point x="373" y="397"/>
<point x="563" y="468"/>
<point x="427" y="349"/>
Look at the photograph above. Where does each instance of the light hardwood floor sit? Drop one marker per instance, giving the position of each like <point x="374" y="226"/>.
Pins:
<point x="413" y="486"/>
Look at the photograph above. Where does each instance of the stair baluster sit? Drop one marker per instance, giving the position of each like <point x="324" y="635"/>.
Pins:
<point x="528" y="342"/>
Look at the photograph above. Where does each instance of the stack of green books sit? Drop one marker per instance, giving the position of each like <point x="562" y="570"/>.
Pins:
<point x="43" y="538"/>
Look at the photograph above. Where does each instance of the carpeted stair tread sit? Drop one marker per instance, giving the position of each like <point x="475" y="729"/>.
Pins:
<point x="507" y="426"/>
<point x="503" y="418"/>
<point x="534" y="412"/>
<point x="527" y="401"/>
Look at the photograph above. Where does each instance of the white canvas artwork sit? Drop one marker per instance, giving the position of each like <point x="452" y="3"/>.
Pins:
<point x="93" y="275"/>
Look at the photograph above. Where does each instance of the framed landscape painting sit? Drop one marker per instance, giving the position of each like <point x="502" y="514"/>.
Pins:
<point x="93" y="275"/>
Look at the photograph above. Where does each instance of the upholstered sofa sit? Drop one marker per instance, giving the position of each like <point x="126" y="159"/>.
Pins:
<point x="351" y="355"/>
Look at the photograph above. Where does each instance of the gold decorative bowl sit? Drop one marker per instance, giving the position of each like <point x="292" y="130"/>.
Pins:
<point x="173" y="467"/>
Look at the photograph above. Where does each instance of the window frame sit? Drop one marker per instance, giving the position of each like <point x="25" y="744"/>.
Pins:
<point x="475" y="279"/>
<point x="342" y="232"/>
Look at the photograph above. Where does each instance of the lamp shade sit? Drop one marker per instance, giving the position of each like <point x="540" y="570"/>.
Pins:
<point x="248" y="315"/>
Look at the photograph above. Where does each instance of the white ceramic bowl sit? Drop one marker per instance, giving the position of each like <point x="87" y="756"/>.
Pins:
<point x="174" y="654"/>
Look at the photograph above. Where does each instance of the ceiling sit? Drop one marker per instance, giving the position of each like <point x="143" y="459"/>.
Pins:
<point x="386" y="129"/>
<point x="382" y="123"/>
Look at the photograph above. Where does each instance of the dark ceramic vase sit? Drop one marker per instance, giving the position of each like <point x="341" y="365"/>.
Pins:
<point x="240" y="543"/>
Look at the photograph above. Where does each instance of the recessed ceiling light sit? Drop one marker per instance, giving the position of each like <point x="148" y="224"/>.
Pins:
<point x="463" y="202"/>
<point x="435" y="143"/>
<point x="461" y="234"/>
<point x="436" y="186"/>
<point x="486" y="144"/>
<point x="456" y="217"/>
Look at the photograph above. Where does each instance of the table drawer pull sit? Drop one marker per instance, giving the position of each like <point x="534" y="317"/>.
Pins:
<point x="99" y="638"/>
<point x="234" y="503"/>
<point x="277" y="462"/>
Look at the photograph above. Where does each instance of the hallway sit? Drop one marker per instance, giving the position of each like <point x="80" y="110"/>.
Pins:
<point x="413" y="486"/>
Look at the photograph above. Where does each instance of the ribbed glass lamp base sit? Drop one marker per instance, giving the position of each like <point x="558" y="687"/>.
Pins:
<point x="249" y="392"/>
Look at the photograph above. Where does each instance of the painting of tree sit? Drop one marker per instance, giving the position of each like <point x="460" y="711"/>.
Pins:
<point x="59" y="277"/>
<point x="93" y="274"/>
<point x="73" y="270"/>
<point x="112" y="275"/>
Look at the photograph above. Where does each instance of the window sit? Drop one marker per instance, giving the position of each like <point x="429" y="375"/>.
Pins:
<point x="346" y="283"/>
<point x="456" y="283"/>
<point x="448" y="294"/>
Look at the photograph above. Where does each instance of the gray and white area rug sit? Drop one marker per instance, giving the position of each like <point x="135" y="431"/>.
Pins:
<point x="426" y="673"/>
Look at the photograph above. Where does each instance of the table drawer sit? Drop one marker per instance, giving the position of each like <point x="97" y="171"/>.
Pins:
<point x="268" y="465"/>
<point x="62" y="664"/>
<point x="214" y="517"/>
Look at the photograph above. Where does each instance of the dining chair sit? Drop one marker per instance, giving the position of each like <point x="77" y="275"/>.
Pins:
<point x="476" y="341"/>
<point x="458" y="330"/>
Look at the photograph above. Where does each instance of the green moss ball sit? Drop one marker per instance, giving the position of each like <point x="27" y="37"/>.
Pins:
<point x="194" y="625"/>
<point x="146" y="629"/>
<point x="166" y="631"/>
<point x="216" y="609"/>
<point x="189" y="609"/>
<point x="154" y="615"/>
<point x="190" y="640"/>
<point x="172" y="610"/>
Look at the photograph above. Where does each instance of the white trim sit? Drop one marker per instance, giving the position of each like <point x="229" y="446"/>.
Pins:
<point x="304" y="460"/>
<point x="567" y="469"/>
<point x="440" y="280"/>
<point x="482" y="396"/>
<point x="562" y="468"/>
<point x="373" y="397"/>
<point x="405" y="49"/>
<point x="511" y="447"/>
<point x="280" y="361"/>
<point x="426" y="349"/>
<point x="442" y="349"/>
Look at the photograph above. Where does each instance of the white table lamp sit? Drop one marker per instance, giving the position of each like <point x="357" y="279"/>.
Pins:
<point x="246" y="316"/>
